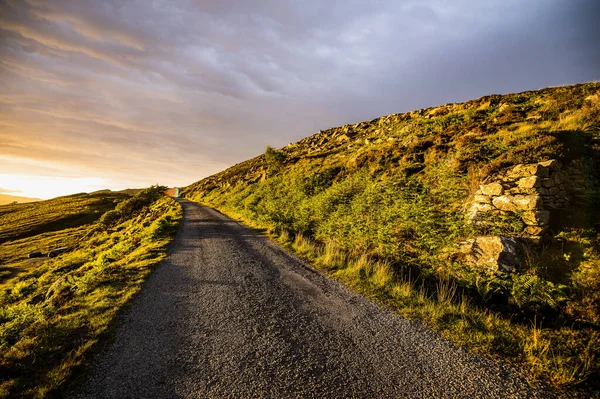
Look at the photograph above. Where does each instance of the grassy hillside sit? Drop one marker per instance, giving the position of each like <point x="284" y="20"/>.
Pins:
<point x="382" y="205"/>
<point x="26" y="220"/>
<point x="53" y="311"/>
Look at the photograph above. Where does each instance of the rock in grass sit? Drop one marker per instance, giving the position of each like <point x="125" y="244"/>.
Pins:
<point x="492" y="189"/>
<point x="56" y="252"/>
<point x="503" y="254"/>
<point x="35" y="254"/>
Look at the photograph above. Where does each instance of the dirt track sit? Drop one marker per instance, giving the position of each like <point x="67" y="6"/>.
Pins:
<point x="230" y="314"/>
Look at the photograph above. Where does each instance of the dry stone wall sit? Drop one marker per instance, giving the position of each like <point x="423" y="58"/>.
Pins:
<point x="532" y="191"/>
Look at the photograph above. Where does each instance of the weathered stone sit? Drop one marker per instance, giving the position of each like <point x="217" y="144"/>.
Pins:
<point x="536" y="230"/>
<point x="497" y="253"/>
<point x="536" y="218"/>
<point x="528" y="170"/>
<point x="477" y="209"/>
<point x="492" y="189"/>
<point x="504" y="203"/>
<point x="553" y="190"/>
<point x="543" y="191"/>
<point x="527" y="191"/>
<point x="529" y="182"/>
<point x="551" y="164"/>
<point x="527" y="202"/>
<point x="483" y="199"/>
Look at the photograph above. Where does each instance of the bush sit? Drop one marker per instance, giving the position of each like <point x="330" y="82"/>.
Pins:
<point x="132" y="205"/>
<point x="273" y="158"/>
<point x="110" y="217"/>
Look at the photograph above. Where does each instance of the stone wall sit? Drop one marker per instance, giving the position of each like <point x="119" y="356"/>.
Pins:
<point x="531" y="191"/>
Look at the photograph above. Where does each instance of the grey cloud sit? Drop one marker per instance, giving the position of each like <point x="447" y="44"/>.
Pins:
<point x="185" y="88"/>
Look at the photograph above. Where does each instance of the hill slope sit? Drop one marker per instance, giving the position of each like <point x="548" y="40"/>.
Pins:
<point x="54" y="310"/>
<point x="25" y="220"/>
<point x="480" y="218"/>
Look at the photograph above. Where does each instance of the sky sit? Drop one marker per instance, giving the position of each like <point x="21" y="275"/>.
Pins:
<point x="116" y="94"/>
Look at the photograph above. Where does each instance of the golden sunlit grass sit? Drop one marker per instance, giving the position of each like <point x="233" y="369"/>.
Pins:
<point x="25" y="220"/>
<point x="53" y="313"/>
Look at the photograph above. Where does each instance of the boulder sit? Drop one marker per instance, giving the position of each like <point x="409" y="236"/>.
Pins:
<point x="529" y="182"/>
<point x="552" y="165"/>
<point x="503" y="254"/>
<point x="536" y="230"/>
<point x="483" y="199"/>
<point x="527" y="202"/>
<point x="477" y="209"/>
<point x="492" y="189"/>
<point x="527" y="170"/>
<point x="504" y="203"/>
<point x="536" y="218"/>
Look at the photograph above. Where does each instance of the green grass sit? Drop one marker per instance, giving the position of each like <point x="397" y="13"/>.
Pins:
<point x="14" y="254"/>
<point x="26" y="220"/>
<point x="380" y="205"/>
<point x="53" y="313"/>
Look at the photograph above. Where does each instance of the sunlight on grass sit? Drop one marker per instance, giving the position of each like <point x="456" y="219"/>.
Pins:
<point x="380" y="205"/>
<point x="53" y="313"/>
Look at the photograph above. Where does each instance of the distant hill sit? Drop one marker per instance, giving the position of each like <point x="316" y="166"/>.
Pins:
<point x="25" y="220"/>
<point x="9" y="199"/>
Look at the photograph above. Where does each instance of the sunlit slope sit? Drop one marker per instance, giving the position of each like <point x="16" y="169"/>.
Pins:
<point x="54" y="310"/>
<point x="387" y="205"/>
<point x="25" y="220"/>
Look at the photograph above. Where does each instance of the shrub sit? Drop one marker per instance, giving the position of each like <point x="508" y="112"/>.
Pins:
<point x="273" y="158"/>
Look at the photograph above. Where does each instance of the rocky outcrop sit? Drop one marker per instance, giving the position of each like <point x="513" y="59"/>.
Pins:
<point x="531" y="191"/>
<point x="503" y="254"/>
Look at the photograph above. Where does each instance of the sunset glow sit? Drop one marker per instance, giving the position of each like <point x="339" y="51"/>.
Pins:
<point x="95" y="93"/>
<point x="45" y="187"/>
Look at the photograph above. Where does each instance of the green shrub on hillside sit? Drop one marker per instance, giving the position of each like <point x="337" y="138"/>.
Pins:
<point x="133" y="205"/>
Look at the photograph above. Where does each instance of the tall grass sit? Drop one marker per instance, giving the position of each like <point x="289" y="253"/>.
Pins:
<point x="53" y="314"/>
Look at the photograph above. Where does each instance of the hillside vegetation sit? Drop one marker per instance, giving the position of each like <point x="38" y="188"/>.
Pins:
<point x="26" y="220"/>
<point x="384" y="206"/>
<point x="54" y="310"/>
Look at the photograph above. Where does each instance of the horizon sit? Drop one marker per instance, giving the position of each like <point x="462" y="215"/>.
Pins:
<point x="125" y="95"/>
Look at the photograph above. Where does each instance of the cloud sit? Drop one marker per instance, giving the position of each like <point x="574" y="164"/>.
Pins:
<point x="139" y="93"/>
<point x="7" y="191"/>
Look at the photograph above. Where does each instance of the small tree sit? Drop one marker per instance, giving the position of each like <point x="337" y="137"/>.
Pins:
<point x="273" y="158"/>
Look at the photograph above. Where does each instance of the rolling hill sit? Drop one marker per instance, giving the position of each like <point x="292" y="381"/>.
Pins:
<point x="479" y="218"/>
<point x="54" y="310"/>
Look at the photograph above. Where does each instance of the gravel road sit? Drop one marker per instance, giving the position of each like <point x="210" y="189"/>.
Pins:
<point x="230" y="314"/>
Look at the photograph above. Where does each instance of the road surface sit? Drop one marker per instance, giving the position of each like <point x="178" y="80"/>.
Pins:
<point x="230" y="314"/>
